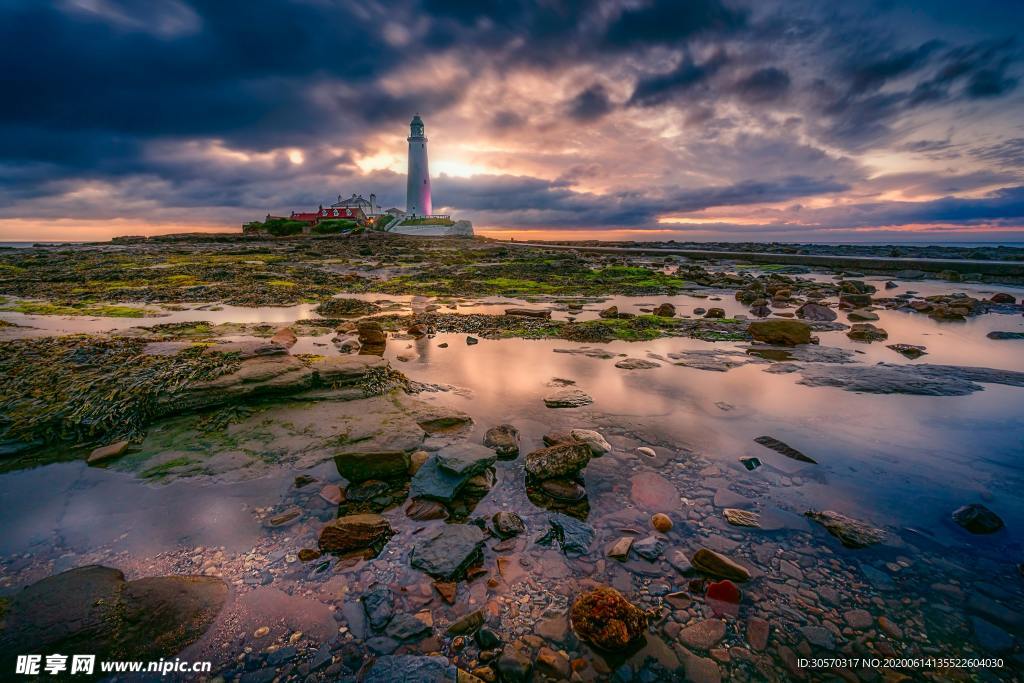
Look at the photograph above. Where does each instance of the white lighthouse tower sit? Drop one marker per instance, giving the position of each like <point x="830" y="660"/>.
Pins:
<point x="417" y="197"/>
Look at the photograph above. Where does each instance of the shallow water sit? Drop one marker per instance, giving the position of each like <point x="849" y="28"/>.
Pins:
<point x="899" y="462"/>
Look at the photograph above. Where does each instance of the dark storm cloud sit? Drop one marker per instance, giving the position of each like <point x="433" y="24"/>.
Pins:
<point x="182" y="105"/>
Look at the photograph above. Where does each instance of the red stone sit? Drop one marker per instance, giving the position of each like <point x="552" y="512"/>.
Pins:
<point x="723" y="591"/>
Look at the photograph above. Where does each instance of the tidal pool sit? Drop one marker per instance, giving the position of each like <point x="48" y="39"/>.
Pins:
<point x="901" y="463"/>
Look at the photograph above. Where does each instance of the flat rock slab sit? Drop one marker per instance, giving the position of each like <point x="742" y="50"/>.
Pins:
<point x="528" y="312"/>
<point x="783" y="448"/>
<point x="572" y="535"/>
<point x="567" y="397"/>
<point x="434" y="482"/>
<point x="449" y="551"/>
<point x="654" y="492"/>
<point x="466" y="458"/>
<point x="401" y="668"/>
<point x="851" y="532"/>
<point x="636" y="364"/>
<point x="915" y="379"/>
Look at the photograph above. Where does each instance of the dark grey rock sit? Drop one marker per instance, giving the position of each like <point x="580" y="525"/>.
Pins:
<point x="573" y="536"/>
<point x="917" y="379"/>
<point x="650" y="548"/>
<point x="977" y="519"/>
<point x="436" y="483"/>
<point x="449" y="551"/>
<point x="466" y="458"/>
<point x="379" y="605"/>
<point x="406" y="627"/>
<point x="382" y="645"/>
<point x="507" y="524"/>
<point x="410" y="669"/>
<point x="990" y="637"/>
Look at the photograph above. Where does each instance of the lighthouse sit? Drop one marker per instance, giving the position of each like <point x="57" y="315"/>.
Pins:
<point x="417" y="196"/>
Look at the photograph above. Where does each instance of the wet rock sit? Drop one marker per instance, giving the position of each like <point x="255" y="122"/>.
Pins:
<point x="866" y="332"/>
<point x="889" y="628"/>
<point x="636" y="364"/>
<point x="528" y="312"/>
<point x="93" y="609"/>
<point x="620" y="549"/>
<point x="558" y="461"/>
<point x="996" y="334"/>
<point x="487" y="639"/>
<point x="308" y="555"/>
<point x="761" y="311"/>
<point x="422" y="669"/>
<point x="332" y="494"/>
<point x="366" y="490"/>
<point x="816" y="312"/>
<point x="598" y="444"/>
<point x="610" y="312"/>
<point x="645" y="450"/>
<point x="552" y="664"/>
<point x="449" y="551"/>
<point x="371" y="333"/>
<point x="558" y="437"/>
<point x="851" y="533"/>
<point x="750" y="463"/>
<point x="357" y="466"/>
<point x="666" y="310"/>
<point x="284" y="518"/>
<point x="854" y="300"/>
<point x="783" y="448"/>
<point x="108" y="452"/>
<point x="470" y="341"/>
<point x="515" y="663"/>
<point x="859" y="619"/>
<point x="650" y="548"/>
<point x="661" y="522"/>
<point x="653" y="492"/>
<point x="757" y="633"/>
<point x="742" y="517"/>
<point x="908" y="350"/>
<point x="861" y="314"/>
<point x="564" y="490"/>
<point x="508" y="524"/>
<point x="1002" y="298"/>
<point x="567" y="397"/>
<point x="466" y="459"/>
<point x="416" y="461"/>
<point x="574" y="536"/>
<point x="468" y="623"/>
<point x="355" y="532"/>
<point x="422" y="510"/>
<point x="716" y="564"/>
<point x="819" y="636"/>
<point x="437" y="483"/>
<point x="504" y="439"/>
<point x="715" y="313"/>
<point x="447" y="590"/>
<point x="701" y="669"/>
<point x="703" y="635"/>
<point x="977" y="519"/>
<point x="780" y="332"/>
<point x="606" y="619"/>
<point x="285" y="337"/>
<point x="680" y="562"/>
<point x="379" y="606"/>
<point x="990" y="637"/>
<point x="919" y="379"/>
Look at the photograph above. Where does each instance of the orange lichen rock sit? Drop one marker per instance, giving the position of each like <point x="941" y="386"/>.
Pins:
<point x="607" y="619"/>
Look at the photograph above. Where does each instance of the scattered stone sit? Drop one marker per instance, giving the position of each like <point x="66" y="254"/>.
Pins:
<point x="408" y="628"/>
<point x="646" y="450"/>
<point x="851" y="532"/>
<point x="780" y="332"/>
<point x="990" y="637"/>
<point x="563" y="489"/>
<point x="908" y="350"/>
<point x="332" y="494"/>
<point x="620" y="549"/>
<point x="379" y="606"/>
<point x="108" y="452"/>
<point x="606" y="619"/>
<point x="515" y="663"/>
<point x="508" y="524"/>
<point x="285" y="337"/>
<point x="703" y="635"/>
<point x="308" y="554"/>
<point x="650" y="548"/>
<point x="466" y="459"/>
<point x="449" y="551"/>
<point x="610" y="312"/>
<point x="422" y="510"/>
<point x="977" y="519"/>
<point x="665" y="310"/>
<point x="738" y="517"/>
<point x="355" y="532"/>
<point x="819" y="637"/>
<point x="757" y="633"/>
<point x="284" y="518"/>
<point x="783" y="448"/>
<point x="393" y="668"/>
<point x="1002" y="298"/>
<point x="636" y="364"/>
<point x="750" y="463"/>
<point x="371" y="333"/>
<point x="661" y="522"/>
<point x="416" y="461"/>
<point x="653" y="492"/>
<point x="574" y="536"/>
<point x="861" y="314"/>
<point x="470" y="341"/>
<point x="447" y="590"/>
<point x="558" y="461"/>
<point x="437" y="483"/>
<point x="598" y="444"/>
<point x="866" y="332"/>
<point x="723" y="591"/>
<point x="358" y="466"/>
<point x="715" y="564"/>
<point x="715" y="313"/>
<point x="552" y="664"/>
<point x="567" y="397"/>
<point x="504" y="439"/>
<point x="889" y="628"/>
<point x="468" y="623"/>
<point x="997" y="334"/>
<point x="680" y="562"/>
<point x="366" y="490"/>
<point x="859" y="619"/>
<point x="816" y="312"/>
<point x="528" y="312"/>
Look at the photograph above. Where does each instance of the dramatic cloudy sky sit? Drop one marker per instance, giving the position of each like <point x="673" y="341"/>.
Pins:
<point x="640" y="119"/>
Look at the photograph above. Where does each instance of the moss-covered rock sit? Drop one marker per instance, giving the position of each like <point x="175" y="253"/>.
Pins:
<point x="781" y="332"/>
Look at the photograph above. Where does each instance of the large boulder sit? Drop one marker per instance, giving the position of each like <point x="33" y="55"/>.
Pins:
<point x="866" y="332"/>
<point x="449" y="551"/>
<point x="780" y="332"/>
<point x="978" y="519"/>
<point x="607" y="620"/>
<point x="355" y="532"/>
<point x="558" y="461"/>
<point x="94" y="610"/>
